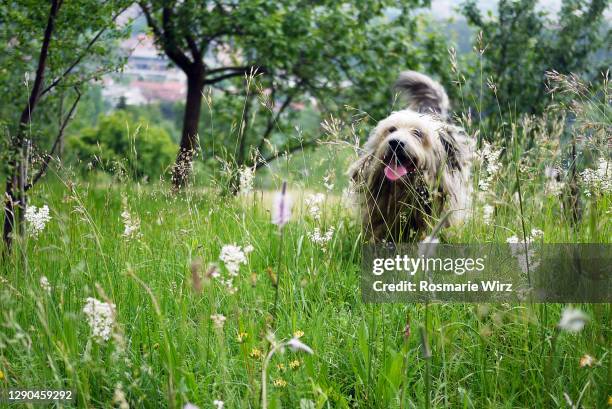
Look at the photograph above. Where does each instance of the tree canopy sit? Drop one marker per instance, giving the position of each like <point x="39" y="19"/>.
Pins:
<point x="520" y="43"/>
<point x="53" y="43"/>
<point x="334" y="53"/>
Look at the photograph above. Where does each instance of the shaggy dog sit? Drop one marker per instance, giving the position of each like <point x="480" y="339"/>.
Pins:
<point x="415" y="166"/>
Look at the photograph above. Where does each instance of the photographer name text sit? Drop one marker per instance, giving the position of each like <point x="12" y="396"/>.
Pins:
<point x="426" y="286"/>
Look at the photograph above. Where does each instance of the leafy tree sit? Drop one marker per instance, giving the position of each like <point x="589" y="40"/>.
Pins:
<point x="120" y="140"/>
<point x="332" y="52"/>
<point x="520" y="44"/>
<point x="50" y="44"/>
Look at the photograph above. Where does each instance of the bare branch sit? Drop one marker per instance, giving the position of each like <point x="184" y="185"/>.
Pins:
<point x="82" y="55"/>
<point x="234" y="68"/>
<point x="263" y="162"/>
<point x="172" y="50"/>
<point x="235" y="72"/>
<point x="150" y="20"/>
<point x="193" y="47"/>
<point x="58" y="138"/>
<point x="273" y="120"/>
<point x="35" y="95"/>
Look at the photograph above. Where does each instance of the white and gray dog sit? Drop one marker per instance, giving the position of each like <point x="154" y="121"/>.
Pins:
<point x="414" y="167"/>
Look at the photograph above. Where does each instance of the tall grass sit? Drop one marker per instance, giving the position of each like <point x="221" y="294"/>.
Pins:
<point x="166" y="351"/>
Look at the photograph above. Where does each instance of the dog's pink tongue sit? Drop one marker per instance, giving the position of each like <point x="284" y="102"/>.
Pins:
<point x="394" y="171"/>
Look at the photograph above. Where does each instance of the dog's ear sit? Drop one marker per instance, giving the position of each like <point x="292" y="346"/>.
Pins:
<point x="423" y="94"/>
<point x="458" y="147"/>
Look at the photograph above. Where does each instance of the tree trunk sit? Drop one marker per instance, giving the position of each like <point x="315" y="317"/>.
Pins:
<point x="189" y="137"/>
<point x="15" y="199"/>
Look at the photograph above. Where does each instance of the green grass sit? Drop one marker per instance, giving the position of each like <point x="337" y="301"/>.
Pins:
<point x="165" y="351"/>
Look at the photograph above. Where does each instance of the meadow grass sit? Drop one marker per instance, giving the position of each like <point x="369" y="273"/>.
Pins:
<point x="165" y="350"/>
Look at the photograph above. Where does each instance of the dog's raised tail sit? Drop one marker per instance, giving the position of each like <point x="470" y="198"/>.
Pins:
<point x="423" y="94"/>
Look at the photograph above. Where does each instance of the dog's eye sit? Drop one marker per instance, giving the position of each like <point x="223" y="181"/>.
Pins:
<point x="391" y="129"/>
<point x="418" y="133"/>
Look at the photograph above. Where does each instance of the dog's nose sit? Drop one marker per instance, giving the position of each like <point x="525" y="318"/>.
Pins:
<point x="396" y="145"/>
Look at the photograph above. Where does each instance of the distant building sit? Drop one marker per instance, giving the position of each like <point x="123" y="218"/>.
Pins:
<point x="148" y="76"/>
<point x="114" y="92"/>
<point x="153" y="91"/>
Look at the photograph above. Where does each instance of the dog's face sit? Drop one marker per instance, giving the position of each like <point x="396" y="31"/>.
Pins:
<point x="414" y="166"/>
<point x="406" y="146"/>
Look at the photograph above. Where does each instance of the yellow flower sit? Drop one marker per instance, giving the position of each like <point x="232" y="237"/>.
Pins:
<point x="281" y="367"/>
<point x="294" y="364"/>
<point x="298" y="334"/>
<point x="609" y="400"/>
<point x="242" y="336"/>
<point x="280" y="383"/>
<point x="586" y="360"/>
<point x="255" y="353"/>
<point x="1" y="375"/>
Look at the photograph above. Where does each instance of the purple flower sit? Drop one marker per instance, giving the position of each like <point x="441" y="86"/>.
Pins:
<point x="281" y="210"/>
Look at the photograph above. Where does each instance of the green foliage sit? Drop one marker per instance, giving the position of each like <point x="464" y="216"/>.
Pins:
<point x="489" y="355"/>
<point x="323" y="56"/>
<point x="519" y="44"/>
<point x="81" y="50"/>
<point x="121" y="142"/>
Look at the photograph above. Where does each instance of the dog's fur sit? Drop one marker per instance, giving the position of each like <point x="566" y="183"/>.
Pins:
<point x="435" y="155"/>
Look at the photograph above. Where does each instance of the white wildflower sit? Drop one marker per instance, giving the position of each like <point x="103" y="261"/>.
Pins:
<point x="572" y="320"/>
<point x="532" y="237"/>
<point x="321" y="239"/>
<point x="100" y="316"/>
<point x="190" y="406"/>
<point x="487" y="213"/>
<point x="44" y="284"/>
<point x="484" y="184"/>
<point x="313" y="203"/>
<point x="218" y="320"/>
<point x="554" y="185"/>
<point x="131" y="225"/>
<point x="524" y="251"/>
<point x="232" y="256"/>
<point x="489" y="158"/>
<point x="247" y="176"/>
<point x="598" y="180"/>
<point x="229" y="286"/>
<point x="37" y="218"/>
<point x="218" y="404"/>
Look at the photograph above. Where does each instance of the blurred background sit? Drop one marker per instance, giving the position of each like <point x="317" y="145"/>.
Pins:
<point x="284" y="85"/>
